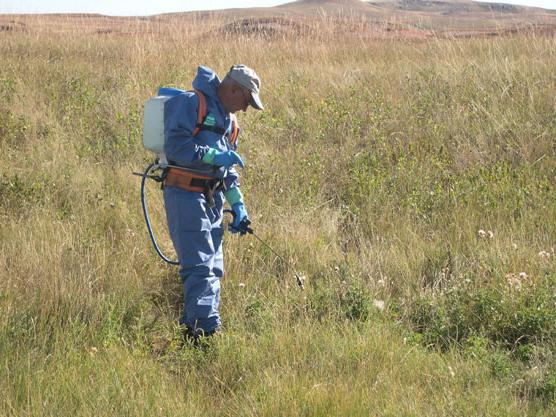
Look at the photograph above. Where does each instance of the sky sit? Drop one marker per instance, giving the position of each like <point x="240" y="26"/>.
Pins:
<point x="150" y="7"/>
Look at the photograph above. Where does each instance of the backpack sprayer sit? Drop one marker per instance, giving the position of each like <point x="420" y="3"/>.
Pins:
<point x="153" y="140"/>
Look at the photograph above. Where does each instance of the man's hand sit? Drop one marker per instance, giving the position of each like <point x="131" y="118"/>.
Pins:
<point x="241" y="219"/>
<point x="225" y="159"/>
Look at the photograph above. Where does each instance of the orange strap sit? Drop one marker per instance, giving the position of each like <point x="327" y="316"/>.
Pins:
<point x="186" y="180"/>
<point x="235" y="130"/>
<point x="201" y="112"/>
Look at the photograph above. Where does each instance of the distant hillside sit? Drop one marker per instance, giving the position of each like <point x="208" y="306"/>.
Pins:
<point x="369" y="19"/>
<point x="443" y="17"/>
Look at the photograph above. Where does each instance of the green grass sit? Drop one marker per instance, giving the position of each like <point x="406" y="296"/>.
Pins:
<point x="374" y="169"/>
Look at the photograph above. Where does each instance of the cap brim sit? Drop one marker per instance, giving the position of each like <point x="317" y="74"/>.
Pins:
<point x="256" y="102"/>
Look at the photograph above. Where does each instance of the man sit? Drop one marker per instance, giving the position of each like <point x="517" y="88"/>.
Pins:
<point x="194" y="197"/>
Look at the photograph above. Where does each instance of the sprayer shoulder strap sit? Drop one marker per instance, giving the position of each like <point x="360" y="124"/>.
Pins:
<point x="202" y="115"/>
<point x="235" y="130"/>
<point x="201" y="112"/>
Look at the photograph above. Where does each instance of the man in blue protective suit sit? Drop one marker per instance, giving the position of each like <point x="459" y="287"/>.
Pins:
<point x="194" y="197"/>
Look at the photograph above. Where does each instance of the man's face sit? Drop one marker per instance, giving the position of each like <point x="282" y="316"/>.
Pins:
<point x="241" y="98"/>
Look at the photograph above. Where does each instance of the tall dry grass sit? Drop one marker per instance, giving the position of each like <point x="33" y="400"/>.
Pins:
<point x="373" y="169"/>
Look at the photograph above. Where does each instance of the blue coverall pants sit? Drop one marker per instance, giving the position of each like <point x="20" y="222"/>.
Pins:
<point x="196" y="231"/>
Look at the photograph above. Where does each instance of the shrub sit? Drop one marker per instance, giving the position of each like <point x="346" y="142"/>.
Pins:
<point x="510" y="319"/>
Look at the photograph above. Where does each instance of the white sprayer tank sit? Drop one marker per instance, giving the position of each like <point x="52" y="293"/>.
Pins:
<point x="153" y="124"/>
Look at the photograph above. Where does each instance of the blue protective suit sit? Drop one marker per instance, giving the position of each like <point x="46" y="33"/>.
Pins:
<point x="196" y="230"/>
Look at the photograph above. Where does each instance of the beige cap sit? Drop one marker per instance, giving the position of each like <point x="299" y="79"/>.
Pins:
<point x="247" y="78"/>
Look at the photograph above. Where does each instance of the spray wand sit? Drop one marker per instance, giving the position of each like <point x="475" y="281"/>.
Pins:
<point x="244" y="228"/>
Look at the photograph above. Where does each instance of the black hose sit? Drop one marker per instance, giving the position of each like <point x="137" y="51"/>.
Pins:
<point x="145" y="213"/>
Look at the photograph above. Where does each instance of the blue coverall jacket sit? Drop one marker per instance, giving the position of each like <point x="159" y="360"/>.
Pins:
<point x="195" y="228"/>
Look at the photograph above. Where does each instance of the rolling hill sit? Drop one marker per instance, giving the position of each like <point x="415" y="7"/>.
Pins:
<point x="412" y="19"/>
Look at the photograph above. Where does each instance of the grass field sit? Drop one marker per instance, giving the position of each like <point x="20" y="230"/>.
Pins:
<point x="411" y="182"/>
